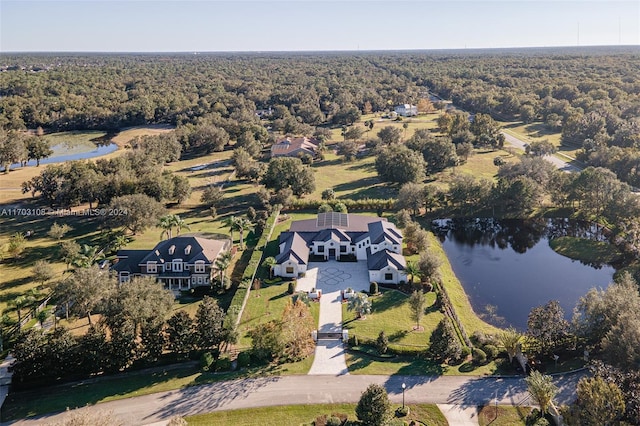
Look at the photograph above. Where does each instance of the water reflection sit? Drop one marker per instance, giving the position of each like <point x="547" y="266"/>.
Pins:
<point x="508" y="265"/>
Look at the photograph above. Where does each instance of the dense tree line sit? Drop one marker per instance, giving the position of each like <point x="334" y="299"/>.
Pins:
<point x="140" y="171"/>
<point x="591" y="95"/>
<point x="134" y="329"/>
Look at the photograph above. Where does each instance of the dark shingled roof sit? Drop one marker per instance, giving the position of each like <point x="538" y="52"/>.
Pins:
<point x="168" y="250"/>
<point x="295" y="248"/>
<point x="384" y="258"/>
<point x="381" y="231"/>
<point x="128" y="261"/>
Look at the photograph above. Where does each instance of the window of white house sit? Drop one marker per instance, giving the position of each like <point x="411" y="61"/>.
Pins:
<point x="199" y="267"/>
<point x="289" y="270"/>
<point x="177" y="265"/>
<point x="199" y="280"/>
<point x="152" y="267"/>
<point x="388" y="277"/>
<point x="343" y="249"/>
<point x="320" y="249"/>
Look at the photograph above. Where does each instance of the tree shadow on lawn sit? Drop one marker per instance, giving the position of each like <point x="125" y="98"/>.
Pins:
<point x="206" y="398"/>
<point x="369" y="167"/>
<point x="352" y="186"/>
<point x="279" y="296"/>
<point x="398" y="335"/>
<point x="387" y="300"/>
<point x="69" y="396"/>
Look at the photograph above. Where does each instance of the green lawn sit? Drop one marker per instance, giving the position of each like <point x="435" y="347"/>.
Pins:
<point x="305" y="415"/>
<point x="390" y="312"/>
<point x="357" y="179"/>
<point x="505" y="416"/>
<point x="265" y="305"/>
<point x="585" y="250"/>
<point x="58" y="398"/>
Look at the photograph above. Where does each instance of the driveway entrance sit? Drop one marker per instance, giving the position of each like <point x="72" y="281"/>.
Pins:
<point x="331" y="277"/>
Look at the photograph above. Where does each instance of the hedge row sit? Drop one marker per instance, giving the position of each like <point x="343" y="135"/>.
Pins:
<point x="451" y="312"/>
<point x="363" y="204"/>
<point x="393" y="349"/>
<point x="242" y="292"/>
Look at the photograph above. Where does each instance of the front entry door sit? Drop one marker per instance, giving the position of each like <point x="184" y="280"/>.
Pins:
<point x="332" y="253"/>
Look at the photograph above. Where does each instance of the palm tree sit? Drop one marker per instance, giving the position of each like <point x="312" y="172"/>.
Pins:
<point x="361" y="304"/>
<point x="541" y="389"/>
<point x="87" y="256"/>
<point x="180" y="224"/>
<point x="166" y="223"/>
<point x="118" y="242"/>
<point x="510" y="339"/>
<point x="222" y="263"/>
<point x="19" y="303"/>
<point x="232" y="223"/>
<point x="269" y="263"/>
<point x="244" y="225"/>
<point x="413" y="270"/>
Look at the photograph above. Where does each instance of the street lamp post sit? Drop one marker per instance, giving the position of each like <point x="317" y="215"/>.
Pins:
<point x="404" y="386"/>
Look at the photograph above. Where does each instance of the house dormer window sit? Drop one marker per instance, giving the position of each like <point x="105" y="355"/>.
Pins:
<point x="172" y="250"/>
<point x="199" y="267"/>
<point x="187" y="249"/>
<point x="177" y="265"/>
<point x="152" y="267"/>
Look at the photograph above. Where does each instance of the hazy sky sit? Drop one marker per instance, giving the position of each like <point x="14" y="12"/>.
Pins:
<point x="271" y="25"/>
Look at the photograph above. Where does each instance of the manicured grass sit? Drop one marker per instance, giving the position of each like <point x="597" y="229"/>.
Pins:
<point x="361" y="363"/>
<point x="585" y="250"/>
<point x="390" y="312"/>
<point x="506" y="415"/>
<point x="58" y="398"/>
<point x="265" y="305"/>
<point x="470" y="320"/>
<point x="357" y="179"/>
<point x="305" y="415"/>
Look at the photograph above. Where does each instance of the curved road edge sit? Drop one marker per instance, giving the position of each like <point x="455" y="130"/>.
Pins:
<point x="464" y="391"/>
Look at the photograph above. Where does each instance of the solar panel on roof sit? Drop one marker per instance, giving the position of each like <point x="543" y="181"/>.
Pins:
<point x="332" y="220"/>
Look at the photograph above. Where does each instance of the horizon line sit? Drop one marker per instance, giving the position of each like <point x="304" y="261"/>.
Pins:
<point x="197" y="52"/>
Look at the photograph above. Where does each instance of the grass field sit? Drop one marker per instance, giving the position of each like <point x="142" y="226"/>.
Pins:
<point x="305" y="415"/>
<point x="357" y="179"/>
<point x="505" y="415"/>
<point x="126" y="135"/>
<point x="390" y="312"/>
<point x="264" y="305"/>
<point x="585" y="250"/>
<point x="423" y="121"/>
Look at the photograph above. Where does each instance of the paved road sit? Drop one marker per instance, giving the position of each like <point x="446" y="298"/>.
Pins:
<point x="270" y="391"/>
<point x="560" y="164"/>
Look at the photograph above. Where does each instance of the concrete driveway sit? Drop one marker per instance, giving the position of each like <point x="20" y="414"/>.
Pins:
<point x="335" y="276"/>
<point x="332" y="277"/>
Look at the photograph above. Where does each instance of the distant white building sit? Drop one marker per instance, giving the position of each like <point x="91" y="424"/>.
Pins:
<point x="406" y="110"/>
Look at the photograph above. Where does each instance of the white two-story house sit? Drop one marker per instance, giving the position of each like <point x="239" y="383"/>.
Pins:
<point x="338" y="236"/>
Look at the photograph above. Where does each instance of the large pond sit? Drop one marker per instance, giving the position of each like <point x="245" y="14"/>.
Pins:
<point x="507" y="267"/>
<point x="63" y="152"/>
